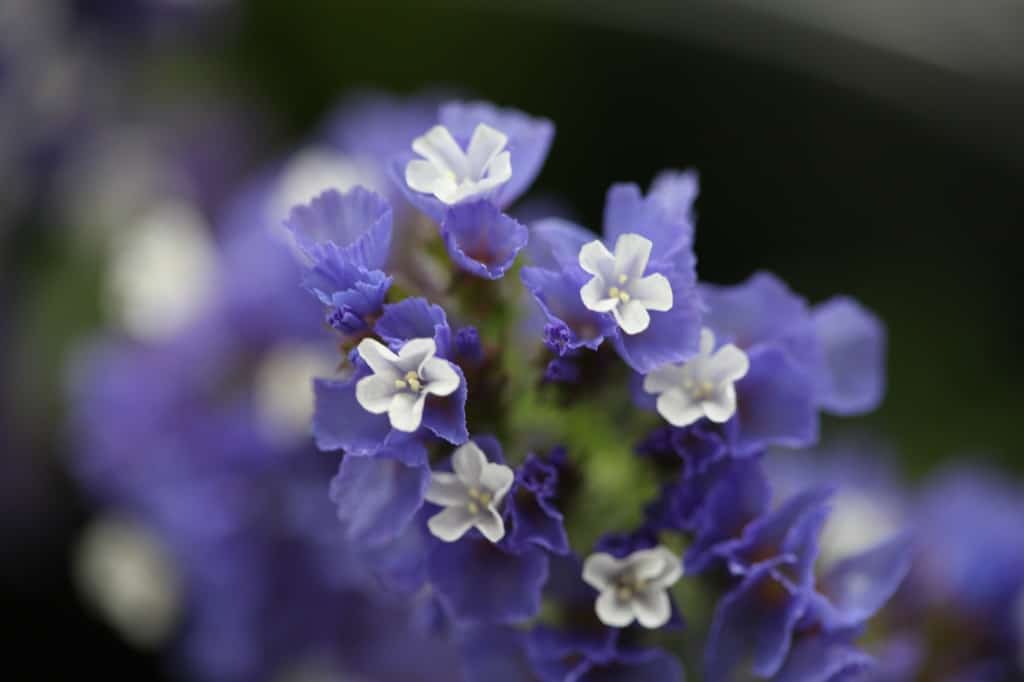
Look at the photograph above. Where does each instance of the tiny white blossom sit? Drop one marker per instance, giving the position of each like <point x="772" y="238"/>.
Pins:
<point x="701" y="387"/>
<point x="453" y="175"/>
<point x="619" y="286"/>
<point x="633" y="588"/>
<point x="470" y="496"/>
<point x="400" y="384"/>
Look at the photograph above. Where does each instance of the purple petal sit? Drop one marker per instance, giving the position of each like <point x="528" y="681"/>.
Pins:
<point x="753" y="623"/>
<point x="341" y="423"/>
<point x="774" y="404"/>
<point x="495" y="654"/>
<point x="355" y="225"/>
<point x="559" y="655"/>
<point x="736" y="497"/>
<point x="555" y="243"/>
<point x="529" y="140"/>
<point x="675" y="192"/>
<point x="415" y="318"/>
<point x="478" y="582"/>
<point x="658" y="218"/>
<point x="854" y="341"/>
<point x="820" y="658"/>
<point x="481" y="239"/>
<point x="858" y="587"/>
<point x="558" y="294"/>
<point x="762" y="310"/>
<point x="446" y="416"/>
<point x="378" y="497"/>
<point x="673" y="335"/>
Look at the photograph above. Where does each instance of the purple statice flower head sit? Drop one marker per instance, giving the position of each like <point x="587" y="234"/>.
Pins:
<point x="642" y="295"/>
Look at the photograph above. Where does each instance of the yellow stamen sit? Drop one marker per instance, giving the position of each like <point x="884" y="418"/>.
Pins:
<point x="623" y="279"/>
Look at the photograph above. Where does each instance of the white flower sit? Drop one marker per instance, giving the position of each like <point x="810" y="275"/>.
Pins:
<point x="701" y="387"/>
<point x="452" y="175"/>
<point x="471" y="496"/>
<point x="401" y="383"/>
<point x="633" y="588"/>
<point x="618" y="285"/>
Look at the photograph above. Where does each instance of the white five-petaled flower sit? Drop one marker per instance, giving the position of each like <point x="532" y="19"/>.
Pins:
<point x="701" y="387"/>
<point x="470" y="496"/>
<point x="401" y="383"/>
<point x="453" y="175"/>
<point x="619" y="285"/>
<point x="633" y="588"/>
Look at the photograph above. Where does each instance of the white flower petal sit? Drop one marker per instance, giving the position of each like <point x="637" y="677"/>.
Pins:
<point x="600" y="569"/>
<point x="632" y="317"/>
<point x="496" y="478"/>
<point x="446" y="489"/>
<point x="678" y="408"/>
<point x="415" y="353"/>
<point x="652" y="607"/>
<point x="721" y="405"/>
<point x="646" y="564"/>
<point x="406" y="411"/>
<point x="671" y="570"/>
<point x="664" y="378"/>
<point x="376" y="393"/>
<point x="423" y="176"/>
<point x="439" y="378"/>
<point x="484" y="146"/>
<point x="499" y="170"/>
<point x="439" y="148"/>
<point x="631" y="255"/>
<point x="707" y="341"/>
<point x="729" y="364"/>
<point x="379" y="357"/>
<point x="451" y="524"/>
<point x="597" y="260"/>
<point x="490" y="524"/>
<point x="468" y="461"/>
<point x="594" y="295"/>
<point x="654" y="292"/>
<point x="613" y="612"/>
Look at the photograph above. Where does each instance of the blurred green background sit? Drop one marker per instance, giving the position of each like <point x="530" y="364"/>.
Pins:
<point x="842" y="165"/>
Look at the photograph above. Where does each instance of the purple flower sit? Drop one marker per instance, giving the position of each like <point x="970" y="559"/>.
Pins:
<point x="475" y="151"/>
<point x="853" y="340"/>
<point x="353" y="228"/>
<point x="754" y="623"/>
<point x="801" y="360"/>
<point x="641" y="294"/>
<point x="482" y="240"/>
<point x="531" y="512"/>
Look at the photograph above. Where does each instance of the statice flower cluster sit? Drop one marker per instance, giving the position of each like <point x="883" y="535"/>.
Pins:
<point x="553" y="439"/>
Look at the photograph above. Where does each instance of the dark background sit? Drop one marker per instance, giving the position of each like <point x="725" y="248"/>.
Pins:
<point x="906" y="195"/>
